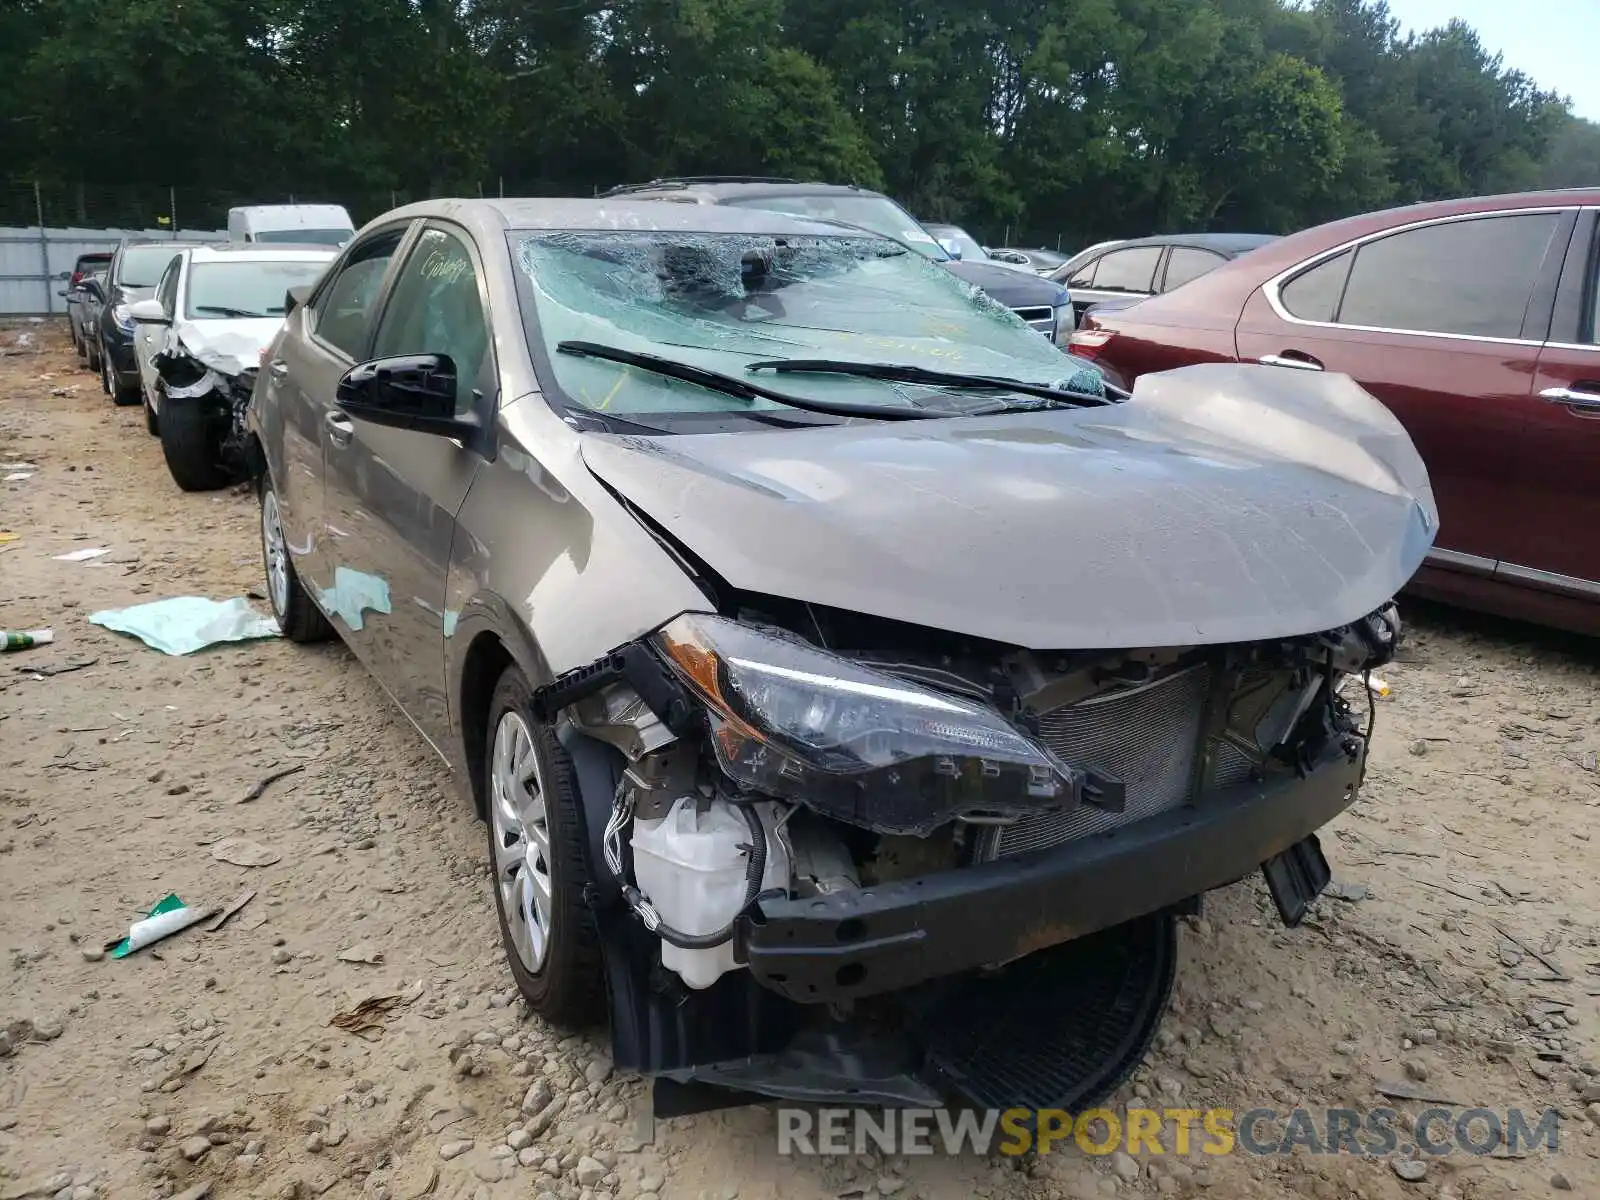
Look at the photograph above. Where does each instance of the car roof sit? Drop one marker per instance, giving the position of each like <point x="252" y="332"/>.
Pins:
<point x="716" y="187"/>
<point x="256" y="251"/>
<point x="622" y="215"/>
<point x="1229" y="244"/>
<point x="176" y="244"/>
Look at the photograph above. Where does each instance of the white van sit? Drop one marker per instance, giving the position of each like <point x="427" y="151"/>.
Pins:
<point x="307" y="224"/>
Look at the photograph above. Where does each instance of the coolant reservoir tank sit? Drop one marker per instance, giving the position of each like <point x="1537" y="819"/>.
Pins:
<point x="692" y="865"/>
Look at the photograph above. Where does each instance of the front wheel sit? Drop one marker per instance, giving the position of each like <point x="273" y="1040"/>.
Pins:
<point x="191" y="442"/>
<point x="152" y="422"/>
<point x="298" y="615"/>
<point x="538" y="860"/>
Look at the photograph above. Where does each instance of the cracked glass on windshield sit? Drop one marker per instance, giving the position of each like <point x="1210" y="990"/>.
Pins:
<point x="721" y="302"/>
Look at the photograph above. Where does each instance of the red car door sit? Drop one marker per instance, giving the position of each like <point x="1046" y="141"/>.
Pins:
<point x="1557" y="467"/>
<point x="1431" y="318"/>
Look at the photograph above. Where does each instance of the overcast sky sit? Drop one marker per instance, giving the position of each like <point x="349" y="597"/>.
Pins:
<point x="1557" y="42"/>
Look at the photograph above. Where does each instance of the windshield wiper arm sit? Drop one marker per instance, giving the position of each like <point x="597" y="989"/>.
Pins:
<point x="225" y="311"/>
<point x="906" y="373"/>
<point x="733" y="386"/>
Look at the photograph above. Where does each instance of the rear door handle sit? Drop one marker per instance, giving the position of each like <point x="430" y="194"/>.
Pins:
<point x="1296" y="364"/>
<point x="1572" y="398"/>
<point x="340" y="430"/>
<point x="279" y="368"/>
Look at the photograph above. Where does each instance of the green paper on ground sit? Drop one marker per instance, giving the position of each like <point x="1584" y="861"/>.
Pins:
<point x="168" y="904"/>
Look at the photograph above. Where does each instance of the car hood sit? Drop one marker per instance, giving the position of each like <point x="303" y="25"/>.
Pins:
<point x="226" y="346"/>
<point x="1012" y="287"/>
<point x="1222" y="503"/>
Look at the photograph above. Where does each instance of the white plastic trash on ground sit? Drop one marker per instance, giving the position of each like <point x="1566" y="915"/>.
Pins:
<point x="185" y="624"/>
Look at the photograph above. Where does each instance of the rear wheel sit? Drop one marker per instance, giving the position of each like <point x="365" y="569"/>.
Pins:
<point x="191" y="442"/>
<point x="540" y="866"/>
<point x="298" y="615"/>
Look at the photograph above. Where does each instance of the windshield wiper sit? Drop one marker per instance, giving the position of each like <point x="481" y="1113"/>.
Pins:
<point x="906" y="373"/>
<point x="225" y="311"/>
<point x="733" y="386"/>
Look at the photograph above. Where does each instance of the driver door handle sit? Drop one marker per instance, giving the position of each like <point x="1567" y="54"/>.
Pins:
<point x="279" y="368"/>
<point x="1297" y="364"/>
<point x="340" y="429"/>
<point x="1572" y="398"/>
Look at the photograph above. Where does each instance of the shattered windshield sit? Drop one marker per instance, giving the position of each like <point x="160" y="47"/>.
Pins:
<point x="721" y="302"/>
<point x="142" y="266"/>
<point x="877" y="213"/>
<point x="246" y="288"/>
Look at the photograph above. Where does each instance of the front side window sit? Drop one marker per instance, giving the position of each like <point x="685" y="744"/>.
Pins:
<point x="877" y="213"/>
<point x="246" y="288"/>
<point x="343" y="313"/>
<point x="167" y="290"/>
<point x="1128" y="270"/>
<point x="435" y="308"/>
<point x="1186" y="263"/>
<point x="722" y="302"/>
<point x="1470" y="277"/>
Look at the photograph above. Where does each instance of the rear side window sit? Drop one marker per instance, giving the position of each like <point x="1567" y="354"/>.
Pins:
<point x="1314" y="295"/>
<point x="1128" y="270"/>
<point x="1085" y="274"/>
<point x="1186" y="263"/>
<point x="1464" y="277"/>
<point x="343" y="312"/>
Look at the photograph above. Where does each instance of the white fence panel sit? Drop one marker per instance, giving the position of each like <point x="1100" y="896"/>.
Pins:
<point x="34" y="263"/>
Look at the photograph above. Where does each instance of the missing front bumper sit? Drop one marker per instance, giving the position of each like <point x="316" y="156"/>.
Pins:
<point x="896" y="935"/>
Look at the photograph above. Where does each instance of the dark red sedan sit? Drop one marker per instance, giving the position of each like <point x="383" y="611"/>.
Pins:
<point x="1475" y="322"/>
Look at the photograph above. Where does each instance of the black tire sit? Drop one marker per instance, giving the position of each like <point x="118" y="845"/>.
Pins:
<point x="92" y="349"/>
<point x="568" y="988"/>
<point x="104" y="369"/>
<point x="191" y="442"/>
<point x="152" y="423"/>
<point x="78" y="344"/>
<point x="299" y="617"/>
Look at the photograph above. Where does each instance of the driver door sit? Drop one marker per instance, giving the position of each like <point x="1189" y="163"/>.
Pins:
<point x="148" y="339"/>
<point x="392" y="495"/>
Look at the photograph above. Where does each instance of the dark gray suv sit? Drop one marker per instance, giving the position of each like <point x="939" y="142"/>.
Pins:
<point x="1044" y="305"/>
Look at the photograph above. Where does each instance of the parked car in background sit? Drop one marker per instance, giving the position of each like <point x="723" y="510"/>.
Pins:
<point x="1475" y="322"/>
<point x="1041" y="304"/>
<point x="135" y="269"/>
<point x="1118" y="274"/>
<point x="91" y="301"/>
<point x="77" y="326"/>
<point x="198" y="343"/>
<point x="1040" y="261"/>
<point x="812" y="653"/>
<point x="302" y="224"/>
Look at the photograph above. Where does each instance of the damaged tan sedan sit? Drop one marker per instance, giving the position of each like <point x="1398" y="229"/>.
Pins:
<point x="854" y="687"/>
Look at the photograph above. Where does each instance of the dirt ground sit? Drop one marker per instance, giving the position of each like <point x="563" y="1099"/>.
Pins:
<point x="1465" y="875"/>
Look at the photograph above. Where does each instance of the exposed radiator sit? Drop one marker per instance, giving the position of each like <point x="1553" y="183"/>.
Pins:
<point x="1147" y="737"/>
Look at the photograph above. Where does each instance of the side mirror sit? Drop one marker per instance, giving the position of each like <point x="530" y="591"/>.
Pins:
<point x="93" y="287"/>
<point x="410" y="391"/>
<point x="295" y="297"/>
<point x="951" y="247"/>
<point x="148" y="312"/>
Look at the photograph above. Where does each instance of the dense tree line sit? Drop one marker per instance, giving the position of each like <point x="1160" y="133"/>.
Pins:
<point x="1083" y="118"/>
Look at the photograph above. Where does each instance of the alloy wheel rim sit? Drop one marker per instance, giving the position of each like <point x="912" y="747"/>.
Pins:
<point x="520" y="823"/>
<point x="276" y="553"/>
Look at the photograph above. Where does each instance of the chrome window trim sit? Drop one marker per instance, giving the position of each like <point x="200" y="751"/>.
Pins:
<point x="1571" y="584"/>
<point x="1271" y="287"/>
<point x="1455" y="558"/>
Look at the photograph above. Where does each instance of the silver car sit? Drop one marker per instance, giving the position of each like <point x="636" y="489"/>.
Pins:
<point x="841" y="670"/>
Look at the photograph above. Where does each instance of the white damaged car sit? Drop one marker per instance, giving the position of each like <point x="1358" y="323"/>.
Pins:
<point x="198" y="345"/>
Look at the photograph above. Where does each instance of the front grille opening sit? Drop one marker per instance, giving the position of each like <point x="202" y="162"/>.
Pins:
<point x="1147" y="737"/>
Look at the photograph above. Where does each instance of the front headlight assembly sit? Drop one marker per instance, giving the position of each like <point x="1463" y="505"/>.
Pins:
<point x="123" y="319"/>
<point x="859" y="745"/>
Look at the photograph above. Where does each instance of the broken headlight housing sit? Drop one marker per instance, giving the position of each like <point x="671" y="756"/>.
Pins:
<point x="864" y="747"/>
